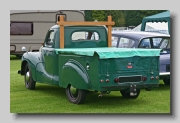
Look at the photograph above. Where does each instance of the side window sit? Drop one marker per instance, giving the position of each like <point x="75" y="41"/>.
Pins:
<point x="156" y="42"/>
<point x="165" y="44"/>
<point x="126" y="43"/>
<point x="114" y="41"/>
<point x="21" y="28"/>
<point x="145" y="43"/>
<point x="49" y="39"/>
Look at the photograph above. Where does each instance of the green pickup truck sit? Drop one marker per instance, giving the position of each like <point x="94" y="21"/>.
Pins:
<point x="71" y="59"/>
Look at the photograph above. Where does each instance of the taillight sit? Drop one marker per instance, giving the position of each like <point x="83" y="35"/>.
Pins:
<point x="152" y="77"/>
<point x="107" y="80"/>
<point x="157" y="77"/>
<point x="144" y="78"/>
<point x="116" y="80"/>
<point x="102" y="80"/>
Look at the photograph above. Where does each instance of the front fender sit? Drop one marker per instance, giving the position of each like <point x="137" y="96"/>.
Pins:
<point x="32" y="58"/>
<point x="75" y="74"/>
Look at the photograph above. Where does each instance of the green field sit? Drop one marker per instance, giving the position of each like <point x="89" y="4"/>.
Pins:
<point x="52" y="99"/>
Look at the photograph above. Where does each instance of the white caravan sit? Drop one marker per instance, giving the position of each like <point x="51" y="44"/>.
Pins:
<point x="28" y="28"/>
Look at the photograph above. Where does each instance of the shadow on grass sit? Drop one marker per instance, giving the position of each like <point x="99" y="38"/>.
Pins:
<point x="113" y="99"/>
<point x="91" y="97"/>
<point x="50" y="89"/>
<point x="162" y="87"/>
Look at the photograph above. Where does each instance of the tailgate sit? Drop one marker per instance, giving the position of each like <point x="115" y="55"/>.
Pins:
<point x="136" y="63"/>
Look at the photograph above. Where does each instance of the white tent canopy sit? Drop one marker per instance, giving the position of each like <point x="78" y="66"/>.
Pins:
<point x="161" y="27"/>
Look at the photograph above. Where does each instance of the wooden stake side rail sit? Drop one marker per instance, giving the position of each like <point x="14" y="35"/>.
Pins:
<point x="61" y="23"/>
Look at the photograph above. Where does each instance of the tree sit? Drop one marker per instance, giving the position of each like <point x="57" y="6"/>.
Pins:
<point x="88" y="15"/>
<point x="98" y="15"/>
<point x="134" y="17"/>
<point x="120" y="17"/>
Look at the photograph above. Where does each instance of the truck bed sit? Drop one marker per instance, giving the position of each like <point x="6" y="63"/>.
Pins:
<point x="108" y="52"/>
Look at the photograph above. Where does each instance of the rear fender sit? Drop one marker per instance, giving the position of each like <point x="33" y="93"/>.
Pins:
<point x="75" y="74"/>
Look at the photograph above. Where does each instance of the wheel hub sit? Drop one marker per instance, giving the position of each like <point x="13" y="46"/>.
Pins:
<point x="27" y="76"/>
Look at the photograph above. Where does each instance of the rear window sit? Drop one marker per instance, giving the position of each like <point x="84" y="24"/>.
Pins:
<point x="83" y="35"/>
<point x="21" y="28"/>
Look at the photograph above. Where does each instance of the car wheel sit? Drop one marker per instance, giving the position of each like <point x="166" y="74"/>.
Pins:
<point x="126" y="94"/>
<point x="29" y="82"/>
<point x="166" y="81"/>
<point x="76" y="96"/>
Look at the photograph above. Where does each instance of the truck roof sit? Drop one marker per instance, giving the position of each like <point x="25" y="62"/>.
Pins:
<point x="57" y="26"/>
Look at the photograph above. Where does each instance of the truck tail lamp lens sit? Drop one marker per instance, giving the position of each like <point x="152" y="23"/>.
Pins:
<point x="107" y="80"/>
<point x="116" y="80"/>
<point x="157" y="77"/>
<point x="152" y="77"/>
<point x="144" y="78"/>
<point x="101" y="80"/>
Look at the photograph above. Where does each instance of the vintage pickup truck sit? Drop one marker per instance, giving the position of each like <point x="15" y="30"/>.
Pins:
<point x="73" y="60"/>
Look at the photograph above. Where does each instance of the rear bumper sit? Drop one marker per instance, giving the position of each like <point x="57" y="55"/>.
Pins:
<point x="128" y="85"/>
<point x="164" y="73"/>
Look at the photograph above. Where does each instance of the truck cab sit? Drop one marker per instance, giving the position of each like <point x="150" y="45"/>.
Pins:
<point x="72" y="59"/>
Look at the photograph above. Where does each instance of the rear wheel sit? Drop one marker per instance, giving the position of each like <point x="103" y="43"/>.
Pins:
<point x="126" y="94"/>
<point x="29" y="82"/>
<point x="76" y="96"/>
<point x="166" y="81"/>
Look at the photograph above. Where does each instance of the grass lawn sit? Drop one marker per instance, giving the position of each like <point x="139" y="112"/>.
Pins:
<point x="52" y="99"/>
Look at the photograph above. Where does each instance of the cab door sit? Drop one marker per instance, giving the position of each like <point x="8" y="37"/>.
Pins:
<point x="47" y="55"/>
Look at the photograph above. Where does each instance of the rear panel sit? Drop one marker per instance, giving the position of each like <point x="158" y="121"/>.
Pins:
<point x="115" y="74"/>
<point x="92" y="73"/>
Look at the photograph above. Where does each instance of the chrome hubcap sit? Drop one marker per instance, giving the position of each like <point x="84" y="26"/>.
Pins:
<point x="27" y="76"/>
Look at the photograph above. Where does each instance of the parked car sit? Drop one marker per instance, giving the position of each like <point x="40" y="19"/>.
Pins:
<point x="140" y="39"/>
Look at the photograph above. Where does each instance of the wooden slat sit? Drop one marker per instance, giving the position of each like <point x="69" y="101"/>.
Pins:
<point x="86" y="23"/>
<point x="61" y="33"/>
<point x="61" y="23"/>
<point x="109" y="32"/>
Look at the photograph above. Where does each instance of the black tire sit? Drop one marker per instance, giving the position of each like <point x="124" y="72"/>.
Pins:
<point x="126" y="94"/>
<point x="29" y="82"/>
<point x="76" y="96"/>
<point x="166" y="81"/>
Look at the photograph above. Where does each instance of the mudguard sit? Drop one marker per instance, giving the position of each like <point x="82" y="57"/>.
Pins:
<point x="75" y="74"/>
<point x="32" y="58"/>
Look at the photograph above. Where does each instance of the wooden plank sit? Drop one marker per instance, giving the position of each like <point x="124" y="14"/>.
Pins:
<point x="85" y="23"/>
<point x="109" y="32"/>
<point x="61" y="33"/>
<point x="61" y="23"/>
